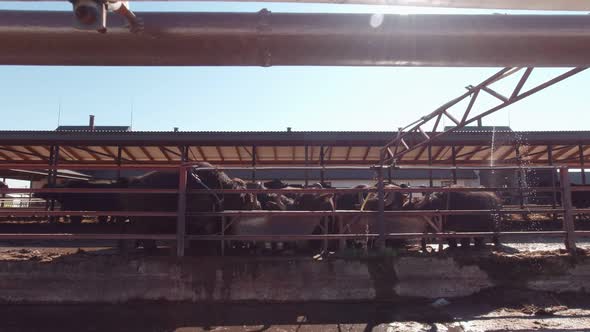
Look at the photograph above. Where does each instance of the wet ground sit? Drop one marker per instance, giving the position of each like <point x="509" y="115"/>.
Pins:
<point x="491" y="310"/>
<point x="47" y="250"/>
<point x="496" y="310"/>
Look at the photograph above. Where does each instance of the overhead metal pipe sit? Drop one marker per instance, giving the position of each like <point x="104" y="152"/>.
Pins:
<point x="561" y="5"/>
<point x="292" y="39"/>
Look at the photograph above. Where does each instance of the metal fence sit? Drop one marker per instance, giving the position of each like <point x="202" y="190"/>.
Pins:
<point x="565" y="210"/>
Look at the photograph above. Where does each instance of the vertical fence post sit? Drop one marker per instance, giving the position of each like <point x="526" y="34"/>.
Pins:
<point x="553" y="175"/>
<point x="322" y="171"/>
<point x="430" y="182"/>
<point x="52" y="177"/>
<point x="381" y="206"/>
<point x="519" y="175"/>
<point x="4" y="195"/>
<point x="568" y="216"/>
<point x="454" y="156"/>
<point x="223" y="223"/>
<point x="306" y="165"/>
<point x="181" y="212"/>
<point x="581" y="152"/>
<point x="119" y="161"/>
<point x="253" y="163"/>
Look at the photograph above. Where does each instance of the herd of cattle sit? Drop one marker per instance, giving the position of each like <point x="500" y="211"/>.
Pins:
<point x="205" y="176"/>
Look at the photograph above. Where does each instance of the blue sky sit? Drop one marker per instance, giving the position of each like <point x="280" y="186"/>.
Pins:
<point x="251" y="98"/>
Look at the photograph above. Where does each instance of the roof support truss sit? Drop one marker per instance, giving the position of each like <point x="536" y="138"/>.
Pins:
<point x="393" y="151"/>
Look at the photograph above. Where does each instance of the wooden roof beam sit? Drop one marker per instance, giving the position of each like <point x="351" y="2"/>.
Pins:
<point x="470" y="155"/>
<point x="366" y="154"/>
<point x="165" y="153"/>
<point x="4" y="156"/>
<point x="348" y="150"/>
<point x="220" y="153"/>
<point x="108" y="152"/>
<point x="147" y="153"/>
<point x="238" y="153"/>
<point x="421" y="152"/>
<point x="202" y="153"/>
<point x="571" y="150"/>
<point x="35" y="152"/>
<point x="440" y="152"/>
<point x="20" y="154"/>
<point x="506" y="154"/>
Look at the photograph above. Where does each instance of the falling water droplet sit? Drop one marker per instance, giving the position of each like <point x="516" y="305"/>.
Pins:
<point x="376" y="20"/>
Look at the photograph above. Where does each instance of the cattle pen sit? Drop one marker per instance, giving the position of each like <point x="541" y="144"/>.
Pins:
<point x="28" y="156"/>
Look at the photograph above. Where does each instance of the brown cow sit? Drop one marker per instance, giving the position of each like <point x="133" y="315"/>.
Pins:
<point x="394" y="201"/>
<point x="287" y="225"/>
<point x="465" y="200"/>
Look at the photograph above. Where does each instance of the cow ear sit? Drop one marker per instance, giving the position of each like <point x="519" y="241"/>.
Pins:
<point x="389" y="198"/>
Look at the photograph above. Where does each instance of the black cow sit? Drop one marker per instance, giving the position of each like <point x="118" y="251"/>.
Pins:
<point x="201" y="176"/>
<point x="465" y="200"/>
<point x="87" y="201"/>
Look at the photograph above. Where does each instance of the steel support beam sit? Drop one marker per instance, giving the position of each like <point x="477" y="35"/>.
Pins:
<point x="582" y="170"/>
<point x="568" y="216"/>
<point x="268" y="39"/>
<point x="402" y="144"/>
<point x="181" y="212"/>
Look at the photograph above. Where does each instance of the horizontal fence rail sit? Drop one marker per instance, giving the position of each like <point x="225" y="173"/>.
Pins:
<point x="185" y="213"/>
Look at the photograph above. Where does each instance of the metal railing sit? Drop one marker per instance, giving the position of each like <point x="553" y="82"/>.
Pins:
<point x="182" y="214"/>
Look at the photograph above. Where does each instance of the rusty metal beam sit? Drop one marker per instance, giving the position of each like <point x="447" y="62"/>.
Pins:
<point x="414" y="128"/>
<point x="267" y="39"/>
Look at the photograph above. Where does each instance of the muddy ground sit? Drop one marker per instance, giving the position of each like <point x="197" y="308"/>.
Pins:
<point x="491" y="310"/>
<point x="494" y="310"/>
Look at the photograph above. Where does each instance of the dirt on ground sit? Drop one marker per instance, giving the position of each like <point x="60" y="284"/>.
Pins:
<point x="493" y="310"/>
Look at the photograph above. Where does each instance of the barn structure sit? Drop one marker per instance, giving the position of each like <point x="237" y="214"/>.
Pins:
<point x="109" y="147"/>
<point x="268" y="39"/>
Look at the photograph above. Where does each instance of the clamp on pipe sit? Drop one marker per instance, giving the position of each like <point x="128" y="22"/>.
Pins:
<point x="92" y="14"/>
<point x="263" y="27"/>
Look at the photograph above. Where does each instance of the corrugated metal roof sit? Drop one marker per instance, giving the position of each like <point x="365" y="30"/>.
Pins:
<point x="271" y="148"/>
<point x="96" y="128"/>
